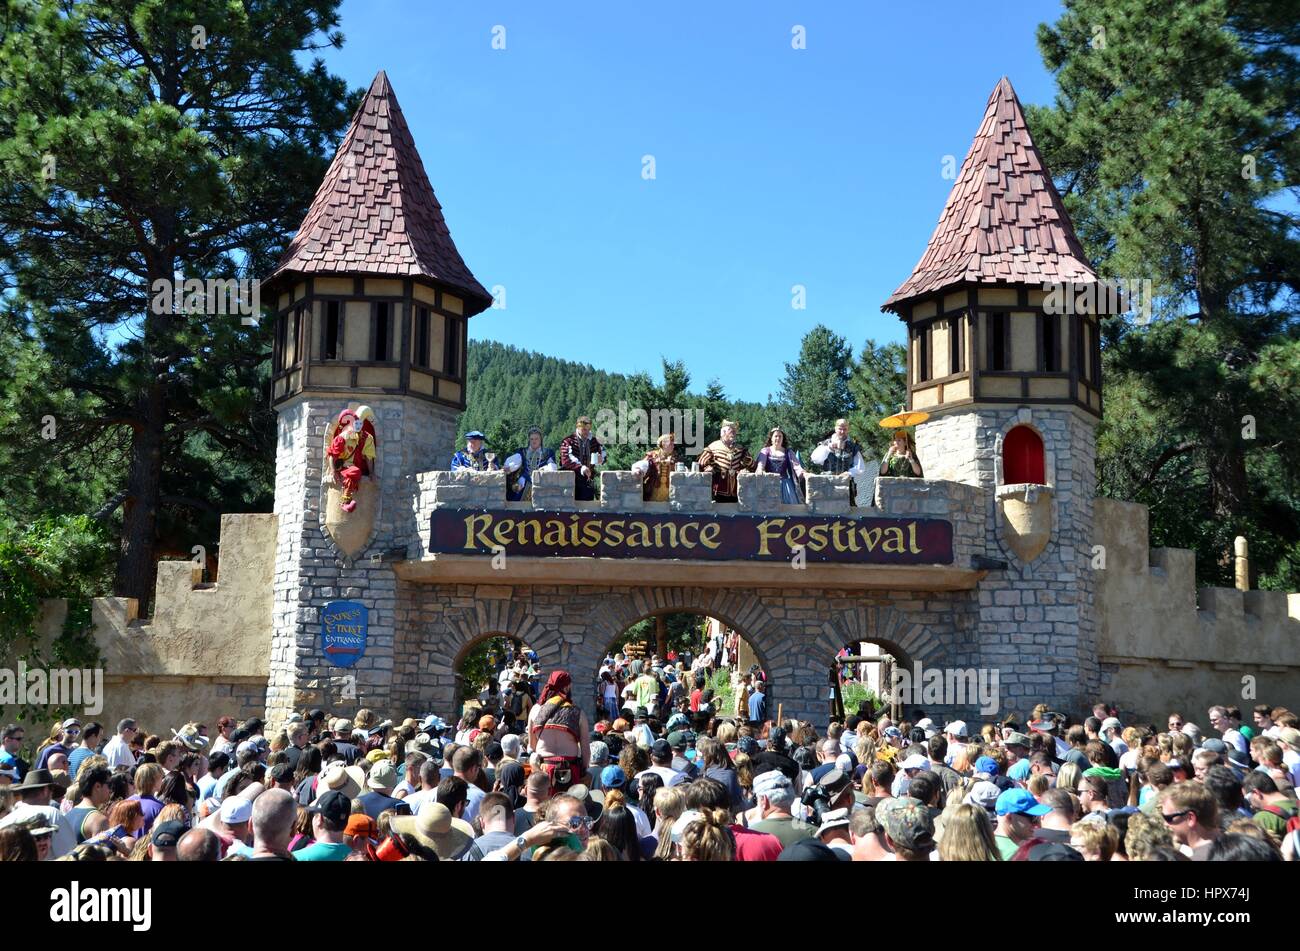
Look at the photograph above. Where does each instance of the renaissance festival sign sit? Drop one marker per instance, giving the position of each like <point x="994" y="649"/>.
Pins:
<point x="343" y="627"/>
<point x="872" y="541"/>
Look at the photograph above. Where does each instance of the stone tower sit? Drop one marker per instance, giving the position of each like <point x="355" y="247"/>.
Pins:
<point x="371" y="303"/>
<point x="1013" y="387"/>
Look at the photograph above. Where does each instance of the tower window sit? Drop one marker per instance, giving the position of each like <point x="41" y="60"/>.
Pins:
<point x="999" y="338"/>
<point x="1023" y="457"/>
<point x="956" y="345"/>
<point x="923" y="353"/>
<point x="421" y="358"/>
<point x="1049" y="333"/>
<point x="381" y="335"/>
<point x="333" y="345"/>
<point x="451" y="347"/>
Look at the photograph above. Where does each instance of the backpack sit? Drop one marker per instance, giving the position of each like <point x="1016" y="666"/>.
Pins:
<point x="1292" y="821"/>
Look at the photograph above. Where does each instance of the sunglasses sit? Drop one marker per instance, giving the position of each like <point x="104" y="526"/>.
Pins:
<point x="1172" y="817"/>
<point x="579" y="822"/>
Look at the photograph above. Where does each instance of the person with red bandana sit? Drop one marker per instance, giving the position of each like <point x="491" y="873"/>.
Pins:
<point x="558" y="732"/>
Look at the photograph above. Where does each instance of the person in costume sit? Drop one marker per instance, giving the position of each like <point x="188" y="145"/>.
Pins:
<point x="900" y="460"/>
<point x="580" y="453"/>
<point x="840" y="455"/>
<point x="776" y="457"/>
<point x="657" y="465"/>
<point x="726" y="458"/>
<point x="352" y="451"/>
<point x="473" y="455"/>
<point x="522" y="463"/>
<point x="558" y="733"/>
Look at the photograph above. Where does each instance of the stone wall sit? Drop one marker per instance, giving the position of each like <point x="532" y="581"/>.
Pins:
<point x="1166" y="645"/>
<point x="205" y="652"/>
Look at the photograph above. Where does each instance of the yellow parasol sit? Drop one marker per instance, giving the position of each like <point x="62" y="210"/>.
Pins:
<point x="904" y="418"/>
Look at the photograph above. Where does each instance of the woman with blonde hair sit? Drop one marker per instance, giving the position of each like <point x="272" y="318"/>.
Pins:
<point x="968" y="836"/>
<point x="1068" y="777"/>
<point x="669" y="803"/>
<point x="707" y="838"/>
<point x="598" y="850"/>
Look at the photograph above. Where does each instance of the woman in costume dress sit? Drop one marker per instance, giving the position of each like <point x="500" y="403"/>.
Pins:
<point x="522" y="463"/>
<point x="901" y="460"/>
<point x="655" y="469"/>
<point x="775" y="456"/>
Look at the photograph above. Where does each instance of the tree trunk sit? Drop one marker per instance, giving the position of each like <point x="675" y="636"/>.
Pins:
<point x="661" y="636"/>
<point x="137" y="566"/>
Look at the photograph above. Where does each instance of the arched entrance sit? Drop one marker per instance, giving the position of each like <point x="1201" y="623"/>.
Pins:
<point x="490" y="669"/>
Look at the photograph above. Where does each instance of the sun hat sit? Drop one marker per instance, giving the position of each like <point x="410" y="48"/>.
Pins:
<point x="436" y="828"/>
<point x="383" y="776"/>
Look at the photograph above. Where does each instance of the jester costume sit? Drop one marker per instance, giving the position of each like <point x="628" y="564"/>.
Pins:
<point x="576" y="452"/>
<point x="726" y="462"/>
<point x="352" y="452"/>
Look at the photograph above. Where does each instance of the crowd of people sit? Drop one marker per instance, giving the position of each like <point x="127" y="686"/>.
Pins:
<point x="655" y="779"/>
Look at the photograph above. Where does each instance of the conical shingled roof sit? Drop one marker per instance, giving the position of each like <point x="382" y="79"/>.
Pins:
<point x="375" y="212"/>
<point x="1004" y="222"/>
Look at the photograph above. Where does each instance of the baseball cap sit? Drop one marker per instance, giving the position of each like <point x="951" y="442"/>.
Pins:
<point x="334" y="806"/>
<point x="1020" y="802"/>
<point x="235" y="810"/>
<point x="769" y="782"/>
<point x="167" y="834"/>
<point x="834" y="819"/>
<point x="1019" y="739"/>
<point x="983" y="794"/>
<point x="661" y="748"/>
<point x="928" y="726"/>
<point x="1111" y="723"/>
<point x="811" y="850"/>
<point x="986" y="764"/>
<point x="893" y="731"/>
<point x="361" y="824"/>
<point x="612" y="777"/>
<point x="685" y="819"/>
<point x="676" y="740"/>
<point x="915" y="761"/>
<point x="1215" y="745"/>
<point x="907" y="822"/>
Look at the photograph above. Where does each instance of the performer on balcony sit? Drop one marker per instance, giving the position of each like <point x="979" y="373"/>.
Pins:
<point x="521" y="465"/>
<point x="473" y="456"/>
<point x="841" y="456"/>
<point x="726" y="458"/>
<point x="580" y="453"/>
<point x="352" y="452"/>
<point x="901" y="460"/>
<point x="776" y="457"/>
<point x="656" y="467"/>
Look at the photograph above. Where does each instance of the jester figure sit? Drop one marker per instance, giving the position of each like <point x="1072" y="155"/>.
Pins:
<point x="352" y="451"/>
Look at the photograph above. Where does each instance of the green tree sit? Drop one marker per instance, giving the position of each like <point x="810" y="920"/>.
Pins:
<point x="879" y="388"/>
<point x="142" y="141"/>
<point x="1174" y="139"/>
<point x="815" y="389"/>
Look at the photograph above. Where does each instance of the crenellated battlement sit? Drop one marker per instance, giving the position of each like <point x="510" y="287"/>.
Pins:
<point x="1155" y="621"/>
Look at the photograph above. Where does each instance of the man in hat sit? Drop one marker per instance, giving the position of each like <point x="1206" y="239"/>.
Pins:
<point x="558" y="732"/>
<point x="69" y="730"/>
<point x="473" y="456"/>
<point x="580" y="453"/>
<point x="352" y="452"/>
<point x="909" y="828"/>
<point x="834" y="832"/>
<point x="34" y="804"/>
<point x="522" y="463"/>
<point x="1018" y="817"/>
<point x="329" y="820"/>
<point x="775" y="795"/>
<point x="164" y="839"/>
<point x="380" y="783"/>
<point x="726" y="458"/>
<point x="437" y="829"/>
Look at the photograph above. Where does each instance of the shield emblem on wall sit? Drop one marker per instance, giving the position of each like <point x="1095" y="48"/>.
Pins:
<point x="1025" y="519"/>
<point x="343" y="629"/>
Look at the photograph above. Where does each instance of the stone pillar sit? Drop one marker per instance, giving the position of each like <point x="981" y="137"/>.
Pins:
<point x="412" y="435"/>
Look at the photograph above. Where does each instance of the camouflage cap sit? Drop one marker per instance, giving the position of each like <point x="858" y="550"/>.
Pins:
<point x="907" y="822"/>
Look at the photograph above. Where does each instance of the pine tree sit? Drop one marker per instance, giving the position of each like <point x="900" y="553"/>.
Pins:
<point x="815" y="390"/>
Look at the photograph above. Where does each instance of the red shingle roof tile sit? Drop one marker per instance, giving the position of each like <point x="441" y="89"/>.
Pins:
<point x="1004" y="221"/>
<point x="375" y="212"/>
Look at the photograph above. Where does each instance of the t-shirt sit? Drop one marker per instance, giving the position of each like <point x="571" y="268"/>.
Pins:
<point x="728" y="779"/>
<point x="646" y="688"/>
<point x="1272" y="822"/>
<point x="376" y="802"/>
<point x="76" y="758"/>
<point x="670" y="776"/>
<point x="758" y="706"/>
<point x="208" y="785"/>
<point x="1006" y="847"/>
<point x="150" y="807"/>
<point x="755" y="846"/>
<point x="323" y="852"/>
<point x="1234" y="738"/>
<point x="43" y="761"/>
<point x="118" y="753"/>
<point x="695" y="700"/>
<point x="787" y="829"/>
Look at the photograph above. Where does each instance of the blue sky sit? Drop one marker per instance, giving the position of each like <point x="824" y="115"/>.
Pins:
<point x="774" y="166"/>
